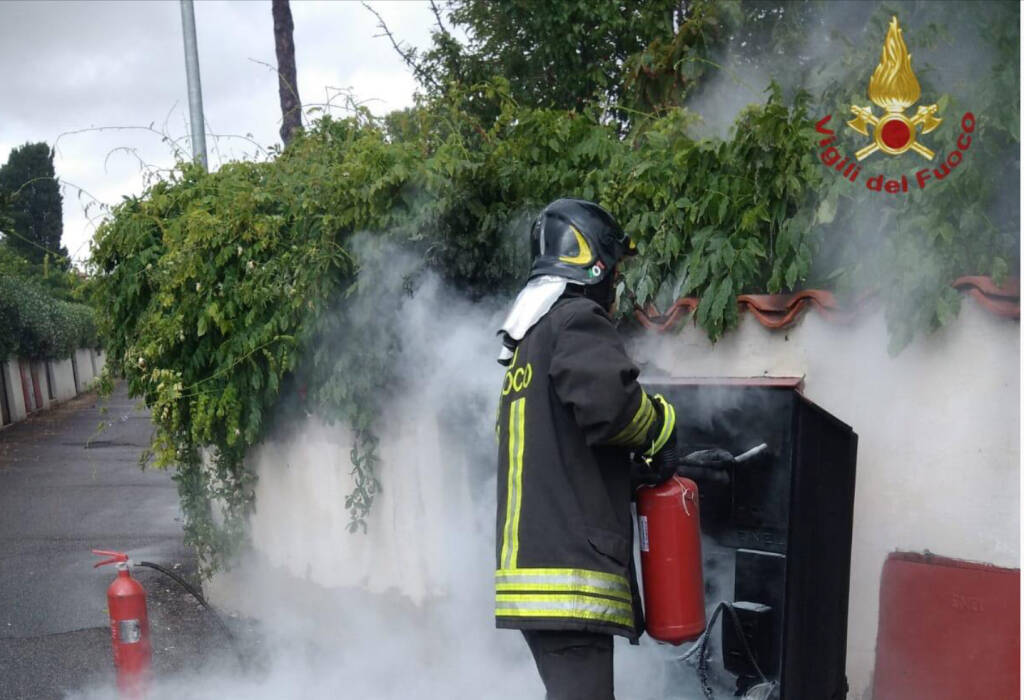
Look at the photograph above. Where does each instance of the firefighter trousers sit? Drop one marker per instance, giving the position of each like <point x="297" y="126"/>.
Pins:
<point x="573" y="665"/>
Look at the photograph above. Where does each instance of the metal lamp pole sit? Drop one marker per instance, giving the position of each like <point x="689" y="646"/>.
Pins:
<point x="195" y="89"/>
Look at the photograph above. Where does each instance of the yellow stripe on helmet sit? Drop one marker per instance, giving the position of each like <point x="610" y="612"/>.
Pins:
<point x="584" y="256"/>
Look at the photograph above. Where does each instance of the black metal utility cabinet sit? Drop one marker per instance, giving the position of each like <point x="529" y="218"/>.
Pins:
<point x="777" y="535"/>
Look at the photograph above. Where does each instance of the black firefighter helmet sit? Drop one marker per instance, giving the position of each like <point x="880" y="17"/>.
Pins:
<point x="577" y="240"/>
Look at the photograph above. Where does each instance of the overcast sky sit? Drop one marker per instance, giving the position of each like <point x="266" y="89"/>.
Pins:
<point x="73" y="66"/>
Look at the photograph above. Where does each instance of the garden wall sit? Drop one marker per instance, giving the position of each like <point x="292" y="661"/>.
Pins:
<point x="28" y="387"/>
<point x="937" y="464"/>
<point x="938" y="457"/>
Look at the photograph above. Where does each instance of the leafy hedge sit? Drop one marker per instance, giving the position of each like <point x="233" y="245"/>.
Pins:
<point x="36" y="326"/>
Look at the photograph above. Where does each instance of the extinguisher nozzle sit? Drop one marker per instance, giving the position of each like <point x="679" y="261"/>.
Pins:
<point x="751" y="453"/>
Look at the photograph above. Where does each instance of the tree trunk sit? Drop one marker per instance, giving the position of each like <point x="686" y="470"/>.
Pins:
<point x="288" y="87"/>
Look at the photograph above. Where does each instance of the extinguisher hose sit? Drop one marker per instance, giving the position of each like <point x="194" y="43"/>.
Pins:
<point x="700" y="648"/>
<point x="202" y="601"/>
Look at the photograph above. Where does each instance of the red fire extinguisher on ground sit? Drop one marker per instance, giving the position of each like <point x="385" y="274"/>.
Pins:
<point x="129" y="627"/>
<point x="670" y="557"/>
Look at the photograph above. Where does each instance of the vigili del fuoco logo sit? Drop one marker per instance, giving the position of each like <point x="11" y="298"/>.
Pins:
<point x="894" y="88"/>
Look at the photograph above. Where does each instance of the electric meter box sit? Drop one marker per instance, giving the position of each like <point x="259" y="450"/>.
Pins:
<point x="776" y="537"/>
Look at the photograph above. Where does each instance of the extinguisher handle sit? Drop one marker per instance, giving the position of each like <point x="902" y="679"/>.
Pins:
<point x="117" y="557"/>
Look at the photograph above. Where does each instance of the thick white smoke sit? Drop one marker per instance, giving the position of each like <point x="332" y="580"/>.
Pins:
<point x="406" y="610"/>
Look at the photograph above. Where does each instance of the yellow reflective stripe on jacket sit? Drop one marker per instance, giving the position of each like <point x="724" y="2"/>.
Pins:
<point x="570" y="577"/>
<point x="521" y="427"/>
<point x="514" y="499"/>
<point x="668" y="426"/>
<point x="562" y="588"/>
<point x="635" y="432"/>
<point x="569" y="606"/>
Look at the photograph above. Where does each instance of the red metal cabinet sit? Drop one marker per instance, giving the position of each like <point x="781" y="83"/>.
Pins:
<point x="947" y="630"/>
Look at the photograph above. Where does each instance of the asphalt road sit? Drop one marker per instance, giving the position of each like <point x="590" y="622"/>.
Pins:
<point x="70" y="482"/>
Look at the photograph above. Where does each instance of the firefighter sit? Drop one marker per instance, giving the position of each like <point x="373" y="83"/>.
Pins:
<point x="571" y="415"/>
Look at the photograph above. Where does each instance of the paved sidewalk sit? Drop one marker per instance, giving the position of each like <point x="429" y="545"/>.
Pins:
<point x="68" y="486"/>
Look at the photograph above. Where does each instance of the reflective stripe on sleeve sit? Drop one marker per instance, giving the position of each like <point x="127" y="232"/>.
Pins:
<point x="668" y="426"/>
<point x="635" y="432"/>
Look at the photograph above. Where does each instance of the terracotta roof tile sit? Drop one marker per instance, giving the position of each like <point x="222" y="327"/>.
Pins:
<point x="782" y="310"/>
<point x="1001" y="300"/>
<point x="654" y="320"/>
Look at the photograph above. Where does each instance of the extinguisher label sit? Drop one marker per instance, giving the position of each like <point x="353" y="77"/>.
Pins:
<point x="644" y="544"/>
<point x="129" y="631"/>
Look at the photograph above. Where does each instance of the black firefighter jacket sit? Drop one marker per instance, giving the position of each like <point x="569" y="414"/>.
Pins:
<point x="570" y="410"/>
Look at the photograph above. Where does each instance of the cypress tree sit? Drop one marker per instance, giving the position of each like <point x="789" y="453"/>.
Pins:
<point x="31" y="199"/>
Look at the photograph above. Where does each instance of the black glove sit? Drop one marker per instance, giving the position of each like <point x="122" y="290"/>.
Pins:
<point x="707" y="466"/>
<point x="658" y="469"/>
<point x="715" y="458"/>
<point x="661" y="466"/>
<point x="666" y="460"/>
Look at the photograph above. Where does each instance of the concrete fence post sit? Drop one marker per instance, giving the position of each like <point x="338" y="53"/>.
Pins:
<point x="15" y="393"/>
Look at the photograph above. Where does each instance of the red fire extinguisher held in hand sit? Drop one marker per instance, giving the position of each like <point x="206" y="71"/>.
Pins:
<point x="129" y="627"/>
<point x="670" y="557"/>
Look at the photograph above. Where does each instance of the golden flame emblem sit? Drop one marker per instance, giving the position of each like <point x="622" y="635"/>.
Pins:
<point x="894" y="87"/>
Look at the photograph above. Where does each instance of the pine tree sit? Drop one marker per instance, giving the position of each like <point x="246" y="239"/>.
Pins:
<point x="31" y="199"/>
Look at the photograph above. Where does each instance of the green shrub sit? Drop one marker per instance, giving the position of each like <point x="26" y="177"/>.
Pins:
<point x="36" y="326"/>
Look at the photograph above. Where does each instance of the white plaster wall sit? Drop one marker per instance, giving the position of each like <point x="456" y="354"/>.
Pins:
<point x="15" y="395"/>
<point x="938" y="459"/>
<point x="63" y="380"/>
<point x="301" y="523"/>
<point x="85" y="375"/>
<point x="64" y="387"/>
